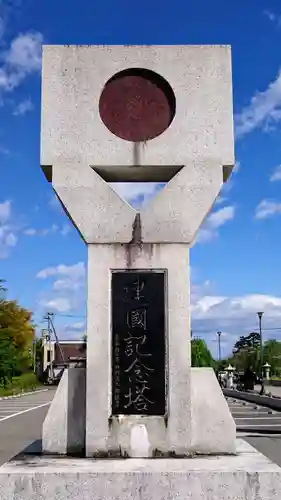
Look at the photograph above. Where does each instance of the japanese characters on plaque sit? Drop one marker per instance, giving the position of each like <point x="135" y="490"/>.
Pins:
<point x="138" y="343"/>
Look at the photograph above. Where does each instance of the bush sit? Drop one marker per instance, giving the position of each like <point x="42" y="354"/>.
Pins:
<point x="24" y="383"/>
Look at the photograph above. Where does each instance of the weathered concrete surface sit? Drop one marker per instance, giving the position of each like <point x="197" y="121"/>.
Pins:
<point x="74" y="140"/>
<point x="72" y="81"/>
<point x="64" y="425"/>
<point x="213" y="429"/>
<point x="175" y="260"/>
<point x="249" y="476"/>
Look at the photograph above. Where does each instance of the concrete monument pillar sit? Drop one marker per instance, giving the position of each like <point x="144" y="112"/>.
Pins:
<point x="129" y="114"/>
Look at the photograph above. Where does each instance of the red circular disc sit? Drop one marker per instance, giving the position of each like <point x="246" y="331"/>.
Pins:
<point x="136" y="106"/>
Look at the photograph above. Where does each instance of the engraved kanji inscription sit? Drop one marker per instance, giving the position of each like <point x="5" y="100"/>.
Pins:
<point x="138" y="343"/>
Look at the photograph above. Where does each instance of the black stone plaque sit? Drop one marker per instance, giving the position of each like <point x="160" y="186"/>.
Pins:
<point x="138" y="343"/>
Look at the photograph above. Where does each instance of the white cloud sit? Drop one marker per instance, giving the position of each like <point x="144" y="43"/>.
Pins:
<point x="225" y="308"/>
<point x="2" y="27"/>
<point x="276" y="176"/>
<point x="234" y="316"/>
<point x="59" y="304"/>
<point x="30" y="232"/>
<point x="21" y="59"/>
<point x="236" y="167"/>
<point x="75" y="271"/>
<point x="67" y="291"/>
<point x="274" y="18"/>
<point x="5" y="211"/>
<point x="264" y="110"/>
<point x="220" y="217"/>
<point x="267" y="208"/>
<point x="80" y="325"/>
<point x="23" y="107"/>
<point x="136" y="193"/>
<point x="25" y="52"/>
<point x="217" y="219"/>
<point x="54" y="229"/>
<point x="54" y="203"/>
<point x="220" y="199"/>
<point x="8" y="238"/>
<point x="65" y="230"/>
<point x="69" y="284"/>
<point x="4" y="151"/>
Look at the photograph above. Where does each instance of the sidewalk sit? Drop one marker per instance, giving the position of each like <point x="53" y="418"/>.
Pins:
<point x="275" y="391"/>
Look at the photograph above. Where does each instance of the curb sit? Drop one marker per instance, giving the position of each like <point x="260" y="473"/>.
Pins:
<point x="269" y="402"/>
<point x="257" y="431"/>
<point x="22" y="394"/>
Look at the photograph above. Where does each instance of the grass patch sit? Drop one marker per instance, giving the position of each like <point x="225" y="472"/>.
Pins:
<point x="23" y="383"/>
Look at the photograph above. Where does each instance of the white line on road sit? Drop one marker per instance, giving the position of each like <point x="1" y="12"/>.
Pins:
<point x="24" y="411"/>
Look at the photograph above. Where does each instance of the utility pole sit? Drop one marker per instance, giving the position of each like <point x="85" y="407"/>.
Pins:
<point x="260" y="315"/>
<point x="34" y="355"/>
<point x="219" y="344"/>
<point x="51" y="328"/>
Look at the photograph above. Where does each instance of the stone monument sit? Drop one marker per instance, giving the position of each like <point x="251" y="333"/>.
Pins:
<point x="128" y="114"/>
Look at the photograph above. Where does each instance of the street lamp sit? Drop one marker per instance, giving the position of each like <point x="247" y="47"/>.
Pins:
<point x="260" y="315"/>
<point x="219" y="342"/>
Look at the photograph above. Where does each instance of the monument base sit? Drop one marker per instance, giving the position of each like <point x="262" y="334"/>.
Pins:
<point x="212" y="428"/>
<point x="246" y="475"/>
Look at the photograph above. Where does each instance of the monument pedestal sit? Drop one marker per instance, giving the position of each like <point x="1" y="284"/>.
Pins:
<point x="249" y="475"/>
<point x="208" y="424"/>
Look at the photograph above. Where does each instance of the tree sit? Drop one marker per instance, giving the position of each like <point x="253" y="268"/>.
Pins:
<point x="8" y="357"/>
<point x="18" y="321"/>
<point x="246" y="352"/>
<point x="251" y="341"/>
<point x="16" y="327"/>
<point x="200" y="354"/>
<point x="2" y="289"/>
<point x="272" y="355"/>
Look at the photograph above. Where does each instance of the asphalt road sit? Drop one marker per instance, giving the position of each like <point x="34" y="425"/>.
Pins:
<point x="21" y="422"/>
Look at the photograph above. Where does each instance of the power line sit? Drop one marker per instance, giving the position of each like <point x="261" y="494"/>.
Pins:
<point x="70" y="316"/>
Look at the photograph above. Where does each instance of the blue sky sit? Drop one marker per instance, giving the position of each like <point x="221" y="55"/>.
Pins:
<point x="236" y="260"/>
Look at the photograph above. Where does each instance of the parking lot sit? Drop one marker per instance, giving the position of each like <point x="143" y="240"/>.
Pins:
<point x="21" y="420"/>
<point x="250" y="417"/>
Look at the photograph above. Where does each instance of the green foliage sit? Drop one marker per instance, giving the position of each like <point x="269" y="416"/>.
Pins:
<point x="26" y="382"/>
<point x="251" y="341"/>
<point x="8" y="357"/>
<point x="272" y="355"/>
<point x="200" y="354"/>
<point x="246" y="353"/>
<point x="16" y="336"/>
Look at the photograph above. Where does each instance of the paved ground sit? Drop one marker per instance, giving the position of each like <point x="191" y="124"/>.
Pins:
<point x="256" y="424"/>
<point x="275" y="391"/>
<point x="250" y="417"/>
<point x="21" y="422"/>
<point x="270" y="446"/>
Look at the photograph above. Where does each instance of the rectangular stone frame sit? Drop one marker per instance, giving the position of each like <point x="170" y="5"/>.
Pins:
<point x="171" y="432"/>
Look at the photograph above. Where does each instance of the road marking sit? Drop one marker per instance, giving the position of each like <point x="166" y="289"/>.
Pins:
<point x="24" y="411"/>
